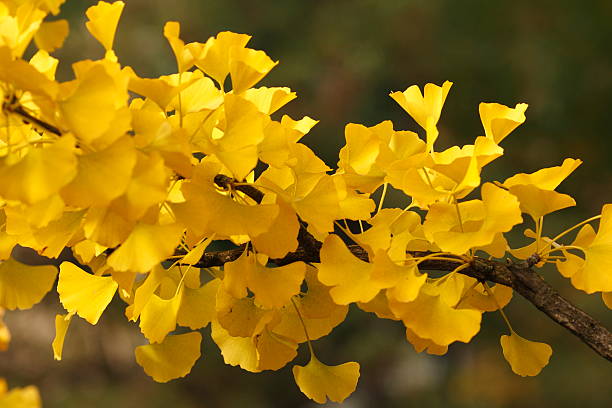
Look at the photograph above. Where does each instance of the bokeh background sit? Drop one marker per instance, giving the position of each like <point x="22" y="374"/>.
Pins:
<point x="343" y="58"/>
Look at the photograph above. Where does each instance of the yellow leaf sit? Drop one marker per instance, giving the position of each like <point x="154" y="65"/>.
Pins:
<point x="423" y="106"/>
<point x="281" y="237"/>
<point x="26" y="397"/>
<point x="102" y="176"/>
<point x="349" y="276"/>
<point x="51" y="35"/>
<point x="40" y="173"/>
<point x="207" y="210"/>
<point x="236" y="351"/>
<point x="429" y="317"/>
<point x="545" y="179"/>
<point x="247" y="67"/>
<point x="84" y="294"/>
<point x="198" y="305"/>
<point x="273" y="351"/>
<point x="22" y="286"/>
<point x="537" y="202"/>
<point x="103" y="19"/>
<point x="215" y="57"/>
<point x="174" y="358"/>
<point x="420" y="344"/>
<point x="241" y="317"/>
<point x="5" y="336"/>
<point x="499" y="120"/>
<point x="607" y="299"/>
<point x="62" y="322"/>
<point x="147" y="245"/>
<point x="479" y="224"/>
<point x="92" y="109"/>
<point x="274" y="287"/>
<point x="235" y="275"/>
<point x="148" y="187"/>
<point x="184" y="58"/>
<point x="269" y="100"/>
<point x="527" y="358"/>
<point x="319" y="381"/>
<point x="145" y="291"/>
<point x="595" y="276"/>
<point x="158" y="316"/>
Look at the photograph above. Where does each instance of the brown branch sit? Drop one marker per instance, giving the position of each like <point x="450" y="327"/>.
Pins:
<point x="28" y="118"/>
<point x="519" y="276"/>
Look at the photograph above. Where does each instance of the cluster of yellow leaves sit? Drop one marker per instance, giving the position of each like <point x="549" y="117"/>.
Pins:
<point x="128" y="183"/>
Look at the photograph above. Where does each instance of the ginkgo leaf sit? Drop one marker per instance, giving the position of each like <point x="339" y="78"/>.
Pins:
<point x="429" y="317"/>
<point x="62" y="322"/>
<point x="273" y="351"/>
<point x="349" y="276"/>
<point x="174" y="358"/>
<point x="236" y="351"/>
<point x="147" y="245"/>
<point x="499" y="120"/>
<point x="269" y="100"/>
<point x="527" y="358"/>
<point x="595" y="276"/>
<point x="607" y="299"/>
<point x="101" y="176"/>
<point x="274" y="287"/>
<point x="215" y="57"/>
<point x="319" y="381"/>
<point x="423" y="106"/>
<point x="184" y="58"/>
<point x="51" y="35"/>
<point x="91" y="109"/>
<point x="241" y="317"/>
<point x="25" y="397"/>
<point x="198" y="305"/>
<point x="83" y="293"/>
<point x="421" y="345"/>
<point x="158" y="316"/>
<point x="103" y="19"/>
<point x="247" y="67"/>
<point x="5" y="336"/>
<point x="40" y="173"/>
<point x="235" y="275"/>
<point x="22" y="286"/>
<point x="145" y="291"/>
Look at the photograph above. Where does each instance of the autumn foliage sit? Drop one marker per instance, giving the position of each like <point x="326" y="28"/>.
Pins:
<point x="143" y="178"/>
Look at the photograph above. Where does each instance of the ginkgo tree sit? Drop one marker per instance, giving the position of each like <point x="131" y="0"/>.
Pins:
<point x="143" y="177"/>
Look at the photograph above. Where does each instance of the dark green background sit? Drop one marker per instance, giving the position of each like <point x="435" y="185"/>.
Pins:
<point x="343" y="58"/>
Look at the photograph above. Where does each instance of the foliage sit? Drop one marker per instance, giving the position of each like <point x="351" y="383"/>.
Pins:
<point x="145" y="179"/>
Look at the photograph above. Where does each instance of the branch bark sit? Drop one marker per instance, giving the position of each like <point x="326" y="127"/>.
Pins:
<point x="520" y="276"/>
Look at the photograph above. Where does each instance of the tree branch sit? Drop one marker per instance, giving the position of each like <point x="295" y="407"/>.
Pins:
<point x="519" y="276"/>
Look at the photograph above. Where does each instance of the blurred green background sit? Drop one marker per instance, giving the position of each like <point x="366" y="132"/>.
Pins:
<point x="343" y="58"/>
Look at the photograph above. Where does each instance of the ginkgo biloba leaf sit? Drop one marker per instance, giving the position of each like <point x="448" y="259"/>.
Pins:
<point x="22" y="286"/>
<point x="147" y="245"/>
<point x="51" y="35"/>
<point x="174" y="358"/>
<point x="62" y="323"/>
<point x="595" y="276"/>
<point x="429" y="317"/>
<point x="499" y="120"/>
<point x="83" y="293"/>
<point x="198" y="305"/>
<point x="158" y="316"/>
<point x="236" y="351"/>
<point x="274" y="287"/>
<point x="103" y="19"/>
<point x="527" y="358"/>
<point x="349" y="276"/>
<point x="320" y="382"/>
